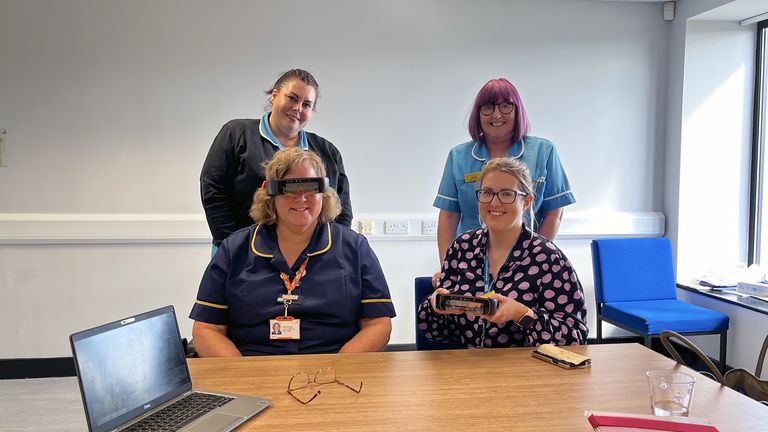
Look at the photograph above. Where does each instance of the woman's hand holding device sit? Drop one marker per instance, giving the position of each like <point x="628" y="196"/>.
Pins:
<point x="432" y="302"/>
<point x="444" y="302"/>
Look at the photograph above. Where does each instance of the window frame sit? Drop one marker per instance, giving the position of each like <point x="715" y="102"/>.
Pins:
<point x="757" y="166"/>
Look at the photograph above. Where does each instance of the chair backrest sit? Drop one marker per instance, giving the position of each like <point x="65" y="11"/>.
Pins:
<point x="739" y="379"/>
<point x="423" y="288"/>
<point x="633" y="269"/>
<point x="713" y="371"/>
<point x="761" y="357"/>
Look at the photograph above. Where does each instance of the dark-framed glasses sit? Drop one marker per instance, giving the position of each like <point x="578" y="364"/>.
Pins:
<point x="305" y="387"/>
<point x="504" y="108"/>
<point x="506" y="196"/>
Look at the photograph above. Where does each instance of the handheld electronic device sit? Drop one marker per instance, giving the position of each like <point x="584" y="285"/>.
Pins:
<point x="468" y="304"/>
<point x="297" y="185"/>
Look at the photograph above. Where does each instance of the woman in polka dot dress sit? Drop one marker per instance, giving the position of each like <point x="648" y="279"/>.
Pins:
<point x="540" y="298"/>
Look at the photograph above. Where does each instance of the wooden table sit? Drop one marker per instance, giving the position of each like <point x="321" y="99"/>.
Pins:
<point x="463" y="390"/>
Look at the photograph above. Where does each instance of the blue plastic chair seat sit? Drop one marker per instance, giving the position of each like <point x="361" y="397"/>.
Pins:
<point x="654" y="316"/>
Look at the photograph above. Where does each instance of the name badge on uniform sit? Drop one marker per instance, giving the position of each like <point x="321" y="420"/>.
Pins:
<point x="471" y="177"/>
<point x="289" y="298"/>
<point x="284" y="328"/>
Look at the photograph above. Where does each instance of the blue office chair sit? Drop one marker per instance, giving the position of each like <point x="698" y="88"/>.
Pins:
<point x="423" y="288"/>
<point x="635" y="289"/>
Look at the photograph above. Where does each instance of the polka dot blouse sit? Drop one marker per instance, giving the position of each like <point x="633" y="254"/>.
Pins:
<point x="536" y="274"/>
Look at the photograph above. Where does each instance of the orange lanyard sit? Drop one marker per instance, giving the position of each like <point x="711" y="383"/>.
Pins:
<point x="291" y="285"/>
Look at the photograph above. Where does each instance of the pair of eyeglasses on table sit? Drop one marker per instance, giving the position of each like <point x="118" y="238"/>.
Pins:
<point x="305" y="387"/>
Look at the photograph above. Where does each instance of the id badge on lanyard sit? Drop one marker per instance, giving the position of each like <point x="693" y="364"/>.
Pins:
<point x="286" y="327"/>
<point x="487" y="291"/>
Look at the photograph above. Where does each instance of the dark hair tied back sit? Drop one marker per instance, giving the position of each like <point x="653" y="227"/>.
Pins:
<point x="296" y="74"/>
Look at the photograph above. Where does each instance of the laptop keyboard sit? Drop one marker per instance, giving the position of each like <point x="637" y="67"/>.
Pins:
<point x="180" y="413"/>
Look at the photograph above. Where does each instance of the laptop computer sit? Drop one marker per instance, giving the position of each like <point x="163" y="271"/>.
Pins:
<point x="133" y="373"/>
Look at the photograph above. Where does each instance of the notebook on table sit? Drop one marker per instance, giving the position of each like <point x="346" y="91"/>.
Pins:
<point x="133" y="375"/>
<point x="624" y="422"/>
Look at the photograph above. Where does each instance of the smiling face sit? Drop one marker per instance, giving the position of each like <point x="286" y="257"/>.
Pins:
<point x="299" y="211"/>
<point x="292" y="108"/>
<point x="498" y="126"/>
<point x="497" y="215"/>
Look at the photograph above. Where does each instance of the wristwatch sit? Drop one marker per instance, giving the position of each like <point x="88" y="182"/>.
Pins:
<point x="526" y="321"/>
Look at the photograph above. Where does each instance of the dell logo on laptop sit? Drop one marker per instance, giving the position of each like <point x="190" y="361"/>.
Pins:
<point x="127" y="321"/>
<point x="147" y="406"/>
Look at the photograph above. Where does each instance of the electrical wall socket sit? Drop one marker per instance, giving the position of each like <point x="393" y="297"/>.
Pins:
<point x="429" y="227"/>
<point x="396" y="227"/>
<point x="367" y="227"/>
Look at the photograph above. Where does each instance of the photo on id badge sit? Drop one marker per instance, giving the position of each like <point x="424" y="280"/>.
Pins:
<point x="284" y="329"/>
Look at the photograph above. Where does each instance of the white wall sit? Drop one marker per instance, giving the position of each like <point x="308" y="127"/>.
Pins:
<point x="57" y="281"/>
<point x="110" y="108"/>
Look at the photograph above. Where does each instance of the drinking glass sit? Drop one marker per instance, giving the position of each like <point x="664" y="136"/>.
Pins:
<point x="671" y="392"/>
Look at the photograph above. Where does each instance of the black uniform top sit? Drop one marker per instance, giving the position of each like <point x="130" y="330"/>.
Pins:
<point x="234" y="170"/>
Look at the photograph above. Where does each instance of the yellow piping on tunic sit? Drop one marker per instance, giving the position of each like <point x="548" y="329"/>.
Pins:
<point x="213" y="305"/>
<point x="330" y="241"/>
<point x="263" y="255"/>
<point x="376" y="301"/>
<point x="253" y="244"/>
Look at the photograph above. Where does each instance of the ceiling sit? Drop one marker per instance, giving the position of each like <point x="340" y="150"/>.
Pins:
<point x="735" y="11"/>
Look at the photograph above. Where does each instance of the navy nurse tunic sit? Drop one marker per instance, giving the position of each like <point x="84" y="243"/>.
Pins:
<point x="343" y="284"/>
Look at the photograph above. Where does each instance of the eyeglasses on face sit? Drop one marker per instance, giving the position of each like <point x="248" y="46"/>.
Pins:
<point x="504" y="108"/>
<point x="305" y="387"/>
<point x="506" y="196"/>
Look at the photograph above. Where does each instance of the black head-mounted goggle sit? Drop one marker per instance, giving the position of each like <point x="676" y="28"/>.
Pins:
<point x="297" y="186"/>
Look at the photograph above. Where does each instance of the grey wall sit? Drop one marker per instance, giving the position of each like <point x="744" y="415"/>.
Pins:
<point x="120" y="100"/>
<point x="111" y="106"/>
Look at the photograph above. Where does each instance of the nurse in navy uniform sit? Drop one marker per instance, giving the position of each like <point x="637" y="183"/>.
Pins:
<point x="319" y="280"/>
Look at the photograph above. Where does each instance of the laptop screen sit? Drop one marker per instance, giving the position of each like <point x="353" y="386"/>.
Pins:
<point x="129" y="366"/>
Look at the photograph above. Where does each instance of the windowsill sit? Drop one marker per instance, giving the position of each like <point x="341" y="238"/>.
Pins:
<point x="745" y="301"/>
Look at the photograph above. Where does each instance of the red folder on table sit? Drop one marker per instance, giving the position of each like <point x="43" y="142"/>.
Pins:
<point x="619" y="422"/>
